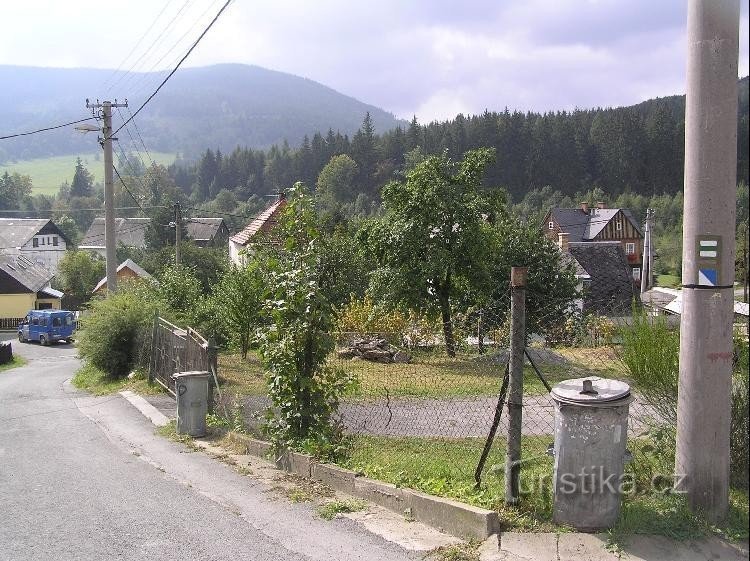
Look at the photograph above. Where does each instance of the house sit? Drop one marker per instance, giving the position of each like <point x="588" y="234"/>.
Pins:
<point x="257" y="231"/>
<point x="668" y="301"/>
<point x="37" y="239"/>
<point x="207" y="232"/>
<point x="24" y="286"/>
<point x="604" y="276"/>
<point x="128" y="270"/>
<point x="599" y="224"/>
<point x="131" y="232"/>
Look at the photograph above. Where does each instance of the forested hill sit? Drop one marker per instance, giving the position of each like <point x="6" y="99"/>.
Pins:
<point x="638" y="149"/>
<point x="220" y="106"/>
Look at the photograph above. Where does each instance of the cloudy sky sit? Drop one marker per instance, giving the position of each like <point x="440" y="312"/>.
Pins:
<point x="430" y="58"/>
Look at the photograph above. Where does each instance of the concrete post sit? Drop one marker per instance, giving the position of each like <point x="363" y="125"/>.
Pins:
<point x="703" y="410"/>
<point x="110" y="241"/>
<point x="515" y="385"/>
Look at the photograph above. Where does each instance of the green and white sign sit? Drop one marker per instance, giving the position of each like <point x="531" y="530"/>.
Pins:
<point x="708" y="259"/>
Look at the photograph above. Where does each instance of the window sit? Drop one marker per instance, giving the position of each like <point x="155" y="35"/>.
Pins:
<point x="35" y="242"/>
<point x="618" y="225"/>
<point x="551" y="225"/>
<point x="56" y="322"/>
<point x="636" y="273"/>
<point x="35" y="321"/>
<point x="54" y="240"/>
<point x="42" y="241"/>
<point x="629" y="248"/>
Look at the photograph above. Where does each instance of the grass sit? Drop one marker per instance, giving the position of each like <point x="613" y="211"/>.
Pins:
<point x="15" y="362"/>
<point x="464" y="551"/>
<point x="445" y="467"/>
<point x="329" y="510"/>
<point x="668" y="281"/>
<point x="48" y="173"/>
<point x="96" y="382"/>
<point x="433" y="374"/>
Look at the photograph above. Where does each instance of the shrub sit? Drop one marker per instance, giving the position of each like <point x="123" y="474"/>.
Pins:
<point x="651" y="352"/>
<point x="364" y="316"/>
<point x="116" y="331"/>
<point x="740" y="425"/>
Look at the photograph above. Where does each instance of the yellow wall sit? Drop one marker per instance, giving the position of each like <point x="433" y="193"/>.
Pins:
<point x="16" y="305"/>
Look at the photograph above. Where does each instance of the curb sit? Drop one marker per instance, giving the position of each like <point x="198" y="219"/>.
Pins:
<point x="450" y="516"/>
<point x="149" y="411"/>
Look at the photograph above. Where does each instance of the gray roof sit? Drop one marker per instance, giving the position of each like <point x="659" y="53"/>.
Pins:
<point x="15" y="232"/>
<point x="24" y="271"/>
<point x="130" y="232"/>
<point x="610" y="291"/>
<point x="203" y="229"/>
<point x="582" y="226"/>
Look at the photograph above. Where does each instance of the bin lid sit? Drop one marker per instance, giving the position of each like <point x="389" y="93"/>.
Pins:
<point x="591" y="389"/>
<point x="191" y="373"/>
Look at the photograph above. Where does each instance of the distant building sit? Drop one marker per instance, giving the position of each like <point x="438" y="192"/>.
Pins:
<point x="605" y="280"/>
<point x="24" y="286"/>
<point x="128" y="270"/>
<point x="599" y="224"/>
<point x="207" y="232"/>
<point x="131" y="232"/>
<point x="37" y="239"/>
<point x="257" y="231"/>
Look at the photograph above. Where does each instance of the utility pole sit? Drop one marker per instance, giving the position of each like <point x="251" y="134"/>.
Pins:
<point x="515" y="387"/>
<point x="110" y="241"/>
<point x="177" y="232"/>
<point x="708" y="254"/>
<point x="646" y="276"/>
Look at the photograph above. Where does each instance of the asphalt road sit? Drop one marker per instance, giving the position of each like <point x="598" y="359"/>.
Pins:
<point x="86" y="478"/>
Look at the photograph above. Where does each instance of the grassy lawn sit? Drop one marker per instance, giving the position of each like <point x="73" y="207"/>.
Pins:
<point x="445" y="467"/>
<point x="668" y="281"/>
<point x="48" y="173"/>
<point x="97" y="382"/>
<point x="434" y="374"/>
<point x="15" y="362"/>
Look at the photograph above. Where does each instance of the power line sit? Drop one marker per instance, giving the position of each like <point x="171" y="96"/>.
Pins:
<point x="132" y="196"/>
<point x="133" y="142"/>
<point x="46" y="128"/>
<point x="98" y="209"/>
<point x="138" y="132"/>
<point x="216" y="17"/>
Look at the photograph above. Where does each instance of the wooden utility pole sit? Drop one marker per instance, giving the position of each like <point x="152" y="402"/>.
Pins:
<point x="177" y="232"/>
<point x="708" y="257"/>
<point x="515" y="386"/>
<point x="110" y="240"/>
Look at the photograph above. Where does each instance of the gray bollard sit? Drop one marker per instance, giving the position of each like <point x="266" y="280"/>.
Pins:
<point x="591" y="427"/>
<point x="192" y="402"/>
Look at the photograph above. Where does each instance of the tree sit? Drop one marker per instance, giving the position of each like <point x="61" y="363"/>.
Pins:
<point x="83" y="181"/>
<point x="238" y="301"/>
<point x="14" y="188"/>
<point x="433" y="237"/>
<point x="336" y="181"/>
<point x="160" y="231"/>
<point x="78" y="272"/>
<point x="69" y="229"/>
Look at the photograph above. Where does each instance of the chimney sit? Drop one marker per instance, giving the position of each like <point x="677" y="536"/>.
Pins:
<point x="562" y="241"/>
<point x="601" y="205"/>
<point x="585" y="207"/>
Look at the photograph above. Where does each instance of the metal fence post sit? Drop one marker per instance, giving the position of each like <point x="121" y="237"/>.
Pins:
<point x="213" y="365"/>
<point x="515" y="386"/>
<point x="152" y="358"/>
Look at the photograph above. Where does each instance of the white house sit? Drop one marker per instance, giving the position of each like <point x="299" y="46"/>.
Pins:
<point x="37" y="239"/>
<point x="256" y="231"/>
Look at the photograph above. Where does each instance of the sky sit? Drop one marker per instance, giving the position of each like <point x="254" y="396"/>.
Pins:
<point x="433" y="59"/>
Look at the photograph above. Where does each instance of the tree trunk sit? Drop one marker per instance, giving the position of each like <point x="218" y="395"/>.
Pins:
<point x="443" y="292"/>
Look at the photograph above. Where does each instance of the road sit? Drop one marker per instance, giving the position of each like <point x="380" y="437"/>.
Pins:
<point x="86" y="478"/>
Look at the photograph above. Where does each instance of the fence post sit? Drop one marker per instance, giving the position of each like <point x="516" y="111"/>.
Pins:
<point x="213" y="365"/>
<point x="152" y="358"/>
<point x="515" y="385"/>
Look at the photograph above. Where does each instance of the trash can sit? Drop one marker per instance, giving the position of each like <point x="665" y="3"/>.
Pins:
<point x="591" y="427"/>
<point x="192" y="402"/>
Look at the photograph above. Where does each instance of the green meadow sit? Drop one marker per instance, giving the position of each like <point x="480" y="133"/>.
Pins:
<point x="48" y="173"/>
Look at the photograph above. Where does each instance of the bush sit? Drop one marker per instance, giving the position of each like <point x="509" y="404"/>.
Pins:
<point x="116" y="331"/>
<point x="740" y="425"/>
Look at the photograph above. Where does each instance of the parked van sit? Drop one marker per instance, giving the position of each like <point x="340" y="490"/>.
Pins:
<point x="47" y="326"/>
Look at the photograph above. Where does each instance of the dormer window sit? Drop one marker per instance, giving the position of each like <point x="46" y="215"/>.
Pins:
<point x="551" y="225"/>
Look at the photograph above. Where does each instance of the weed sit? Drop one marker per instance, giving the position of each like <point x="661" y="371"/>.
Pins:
<point x="329" y="510"/>
<point x="15" y="362"/>
<point x="464" y="551"/>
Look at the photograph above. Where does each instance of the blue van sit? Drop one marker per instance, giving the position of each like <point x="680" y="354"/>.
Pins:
<point x="47" y="326"/>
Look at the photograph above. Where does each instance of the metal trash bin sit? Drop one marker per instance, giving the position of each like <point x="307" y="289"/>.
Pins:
<point x="591" y="427"/>
<point x="192" y="402"/>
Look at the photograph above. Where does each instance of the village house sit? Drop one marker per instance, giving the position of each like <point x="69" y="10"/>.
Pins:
<point x="131" y="232"/>
<point x="599" y="224"/>
<point x="256" y="231"/>
<point x="37" y="239"/>
<point x="127" y="271"/>
<point x="24" y="286"/>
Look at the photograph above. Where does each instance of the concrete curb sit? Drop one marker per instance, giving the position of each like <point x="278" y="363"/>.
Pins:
<point x="453" y="517"/>
<point x="152" y="413"/>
